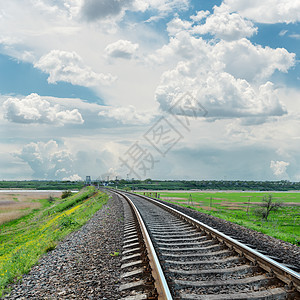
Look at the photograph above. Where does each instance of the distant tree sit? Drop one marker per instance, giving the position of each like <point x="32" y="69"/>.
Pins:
<point x="66" y="194"/>
<point x="51" y="199"/>
<point x="267" y="205"/>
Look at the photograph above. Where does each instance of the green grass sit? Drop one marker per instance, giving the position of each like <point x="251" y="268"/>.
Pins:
<point x="233" y="196"/>
<point x="25" y="240"/>
<point x="234" y="207"/>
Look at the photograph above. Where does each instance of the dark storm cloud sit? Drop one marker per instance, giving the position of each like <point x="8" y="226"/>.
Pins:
<point x="99" y="9"/>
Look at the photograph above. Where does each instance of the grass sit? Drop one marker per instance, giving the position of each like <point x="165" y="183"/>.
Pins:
<point x="11" y="215"/>
<point x="15" y="205"/>
<point x="238" y="207"/>
<point x="25" y="240"/>
<point x="238" y="197"/>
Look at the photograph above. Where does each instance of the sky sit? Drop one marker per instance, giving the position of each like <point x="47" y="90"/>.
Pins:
<point x="162" y="89"/>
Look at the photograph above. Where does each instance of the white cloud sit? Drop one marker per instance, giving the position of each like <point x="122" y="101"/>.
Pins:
<point x="283" y="32"/>
<point x="200" y="15"/>
<point x="121" y="49"/>
<point x="252" y="146"/>
<point x="165" y="6"/>
<point x="295" y="36"/>
<point x="74" y="177"/>
<point x="34" y="109"/>
<point x="47" y="160"/>
<point x="222" y="76"/>
<point x="279" y="167"/>
<point x="226" y="25"/>
<point x="238" y="57"/>
<point x="220" y="93"/>
<point x="182" y="46"/>
<point x="267" y="11"/>
<point x="235" y="57"/>
<point x="61" y="160"/>
<point x="176" y="25"/>
<point x="69" y="67"/>
<point x="126" y="115"/>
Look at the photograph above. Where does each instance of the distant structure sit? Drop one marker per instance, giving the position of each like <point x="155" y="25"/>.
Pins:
<point x="88" y="180"/>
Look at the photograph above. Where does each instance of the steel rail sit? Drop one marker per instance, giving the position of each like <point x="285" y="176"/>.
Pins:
<point x="285" y="274"/>
<point x="158" y="275"/>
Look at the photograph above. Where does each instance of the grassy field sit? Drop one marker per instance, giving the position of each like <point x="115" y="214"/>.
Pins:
<point x="15" y="203"/>
<point x="24" y="240"/>
<point x="239" y="208"/>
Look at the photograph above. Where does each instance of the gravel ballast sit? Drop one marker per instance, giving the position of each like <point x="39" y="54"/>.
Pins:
<point x="81" y="266"/>
<point x="284" y="252"/>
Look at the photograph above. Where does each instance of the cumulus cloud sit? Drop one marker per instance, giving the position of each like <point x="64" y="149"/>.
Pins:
<point x="222" y="24"/>
<point x="200" y="15"/>
<point x="279" y="167"/>
<point x="220" y="93"/>
<point x="183" y="46"/>
<point x="126" y="115"/>
<point x="235" y="57"/>
<point x="74" y="177"/>
<point x="225" y="25"/>
<point x="69" y="67"/>
<point x="222" y="75"/>
<point x="48" y="160"/>
<point x="34" y="109"/>
<point x="121" y="49"/>
<point x="238" y="57"/>
<point x="268" y="11"/>
<point x="176" y="25"/>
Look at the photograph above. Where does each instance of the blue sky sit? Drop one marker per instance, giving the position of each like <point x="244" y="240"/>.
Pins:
<point x="21" y="78"/>
<point x="214" y="83"/>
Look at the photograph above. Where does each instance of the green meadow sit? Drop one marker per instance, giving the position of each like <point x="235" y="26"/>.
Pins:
<point x="23" y="241"/>
<point x="239" y="208"/>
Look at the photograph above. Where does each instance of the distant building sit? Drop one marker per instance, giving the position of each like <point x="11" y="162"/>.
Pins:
<point x="88" y="180"/>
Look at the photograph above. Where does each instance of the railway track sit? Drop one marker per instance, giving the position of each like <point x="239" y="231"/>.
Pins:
<point x="192" y="260"/>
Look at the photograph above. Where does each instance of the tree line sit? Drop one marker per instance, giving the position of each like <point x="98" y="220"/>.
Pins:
<point x="148" y="184"/>
<point x="151" y="184"/>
